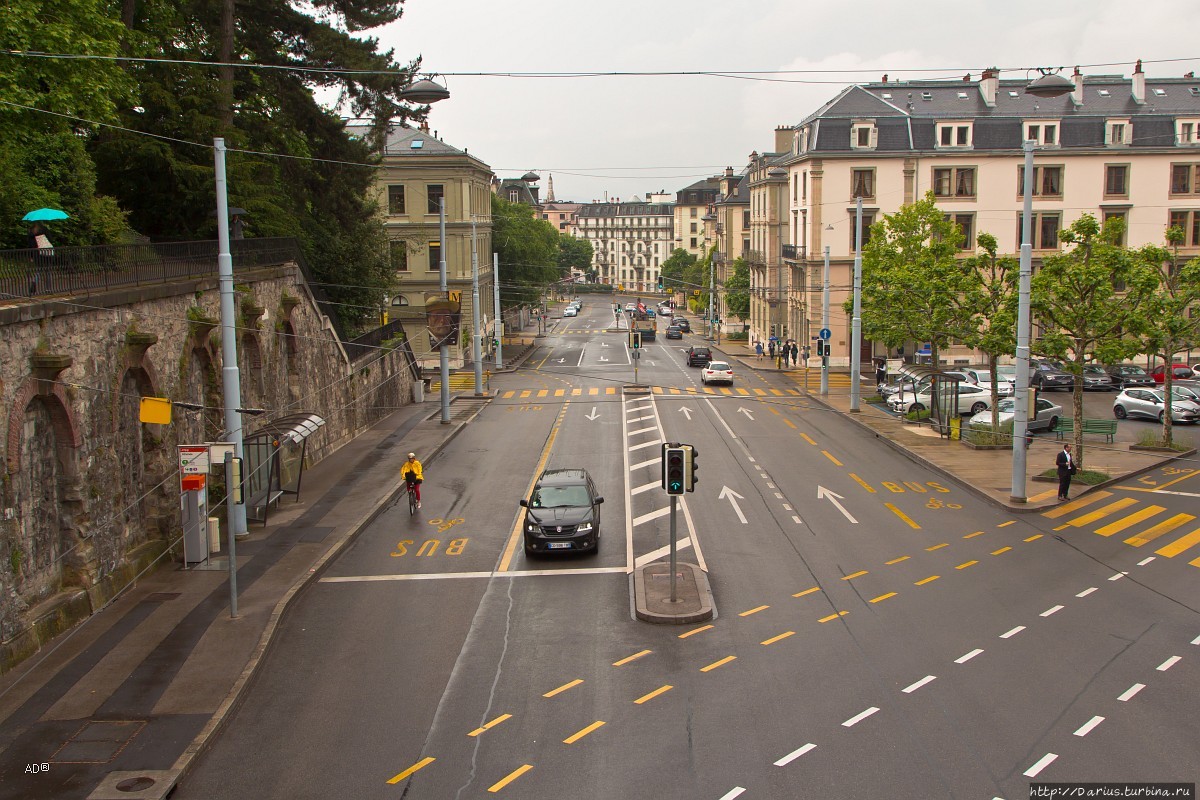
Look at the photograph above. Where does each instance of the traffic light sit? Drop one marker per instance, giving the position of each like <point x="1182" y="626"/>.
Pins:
<point x="674" y="470"/>
<point x="660" y="283"/>
<point x="689" y="469"/>
<point x="635" y="340"/>
<point x="820" y="347"/>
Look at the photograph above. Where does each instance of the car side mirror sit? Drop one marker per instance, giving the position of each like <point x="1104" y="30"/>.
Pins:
<point x="599" y="500"/>
<point x="524" y="504"/>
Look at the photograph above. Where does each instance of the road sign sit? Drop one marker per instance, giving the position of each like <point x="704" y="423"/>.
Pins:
<point x="825" y="334"/>
<point x="193" y="459"/>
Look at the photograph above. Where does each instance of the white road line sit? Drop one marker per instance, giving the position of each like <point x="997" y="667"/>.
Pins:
<point x="770" y="485"/>
<point x="437" y="576"/>
<point x="857" y="718"/>
<point x="721" y="419"/>
<point x="645" y="487"/>
<point x="635" y="409"/>
<point x="797" y="520"/>
<point x="660" y="512"/>
<point x="913" y="687"/>
<point x="639" y="431"/>
<point x="778" y="496"/>
<point x="1130" y="692"/>
<point x="649" y="463"/>
<point x="732" y="793"/>
<point x="1042" y="763"/>
<point x="1050" y="611"/>
<point x="643" y="445"/>
<point x="643" y="419"/>
<point x="625" y="479"/>
<point x="1013" y="632"/>
<point x="1086" y="592"/>
<point x="654" y="555"/>
<point x="1170" y="662"/>
<point x="1196" y="640"/>
<point x="692" y="538"/>
<point x="965" y="658"/>
<point x="1145" y="561"/>
<point x="787" y="507"/>
<point x="1086" y="727"/>
<point x="1118" y="576"/>
<point x="792" y="756"/>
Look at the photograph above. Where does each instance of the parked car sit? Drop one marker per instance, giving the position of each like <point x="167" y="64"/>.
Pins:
<point x="982" y="377"/>
<point x="1178" y="372"/>
<point x="1047" y="375"/>
<point x="1007" y="373"/>
<point x="1196" y="370"/>
<point x="570" y="311"/>
<point x="1129" y="375"/>
<point x="563" y="513"/>
<point x="716" y="372"/>
<point x="1150" y="404"/>
<point x="906" y="386"/>
<point x="1181" y="392"/>
<point x="683" y="324"/>
<point x="698" y="356"/>
<point x="1045" y="419"/>
<point x="665" y="311"/>
<point x="674" y="332"/>
<point x="971" y="400"/>
<point x="1096" y="378"/>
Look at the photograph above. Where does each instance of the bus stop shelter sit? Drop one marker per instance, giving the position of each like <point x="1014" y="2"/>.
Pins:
<point x="275" y="457"/>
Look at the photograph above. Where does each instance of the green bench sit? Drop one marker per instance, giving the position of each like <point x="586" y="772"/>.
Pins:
<point x="1107" y="427"/>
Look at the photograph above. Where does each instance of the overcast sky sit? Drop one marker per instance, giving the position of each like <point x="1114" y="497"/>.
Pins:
<point x="625" y="136"/>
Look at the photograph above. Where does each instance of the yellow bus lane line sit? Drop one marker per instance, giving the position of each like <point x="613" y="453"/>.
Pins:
<point x="515" y="536"/>
<point x="424" y="762"/>
<point x="510" y="777"/>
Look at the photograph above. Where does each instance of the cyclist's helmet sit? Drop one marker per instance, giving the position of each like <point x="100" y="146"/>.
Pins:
<point x="412" y="455"/>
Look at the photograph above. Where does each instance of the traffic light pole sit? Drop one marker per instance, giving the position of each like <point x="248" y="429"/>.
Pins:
<point x="674" y="550"/>
<point x="825" y="326"/>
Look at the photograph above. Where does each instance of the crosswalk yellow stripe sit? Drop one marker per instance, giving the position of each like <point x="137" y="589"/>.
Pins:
<point x="525" y="393"/>
<point x="657" y="389"/>
<point x="576" y="392"/>
<point x="559" y="392"/>
<point x="777" y="393"/>
<point x="760" y="392"/>
<point x="1166" y="526"/>
<point x="543" y="392"/>
<point x="743" y="392"/>
<point x="1141" y="515"/>
<point x="1075" y="505"/>
<point x="1179" y="545"/>
<point x="1101" y="513"/>
<point x="508" y="394"/>
<point x="726" y="392"/>
<point x="611" y="390"/>
<point x="595" y="390"/>
<point x="674" y="390"/>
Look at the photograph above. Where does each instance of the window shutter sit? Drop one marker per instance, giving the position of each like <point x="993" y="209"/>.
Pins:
<point x="874" y="136"/>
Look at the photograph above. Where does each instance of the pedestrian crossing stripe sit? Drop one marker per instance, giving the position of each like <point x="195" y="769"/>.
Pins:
<point x="523" y="394"/>
<point x="1144" y="515"/>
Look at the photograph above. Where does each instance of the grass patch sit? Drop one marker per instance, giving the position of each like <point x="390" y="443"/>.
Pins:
<point x="984" y="434"/>
<point x="917" y="416"/>
<point x="1088" y="477"/>
<point x="737" y="336"/>
<point x="1153" y="439"/>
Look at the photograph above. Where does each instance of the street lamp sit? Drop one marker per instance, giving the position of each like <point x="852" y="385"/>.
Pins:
<point x="1048" y="85"/>
<point x="427" y="91"/>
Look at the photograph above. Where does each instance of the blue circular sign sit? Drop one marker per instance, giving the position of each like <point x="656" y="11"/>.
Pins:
<point x="825" y="334"/>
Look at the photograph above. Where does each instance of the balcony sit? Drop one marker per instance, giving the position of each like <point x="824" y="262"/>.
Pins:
<point x="756" y="257"/>
<point x="793" y="252"/>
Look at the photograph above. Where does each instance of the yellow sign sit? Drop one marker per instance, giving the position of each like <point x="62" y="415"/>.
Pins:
<point x="696" y="292"/>
<point x="156" y="410"/>
<point x="455" y="296"/>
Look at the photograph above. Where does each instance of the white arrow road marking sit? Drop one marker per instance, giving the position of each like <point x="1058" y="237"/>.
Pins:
<point x="604" y="344"/>
<point x="746" y="411"/>
<point x="561" y="361"/>
<point x="833" y="497"/>
<point x="592" y="416"/>
<point x="602" y="358"/>
<point x="733" y="497"/>
<point x="687" y="412"/>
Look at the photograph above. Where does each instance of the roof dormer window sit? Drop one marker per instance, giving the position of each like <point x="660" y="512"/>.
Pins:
<point x="1043" y="132"/>
<point x="1187" y="132"/>
<point x="953" y="134"/>
<point x="1117" y="132"/>
<point x="863" y="136"/>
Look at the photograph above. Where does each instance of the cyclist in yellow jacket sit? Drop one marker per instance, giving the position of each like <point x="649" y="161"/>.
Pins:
<point x="413" y="475"/>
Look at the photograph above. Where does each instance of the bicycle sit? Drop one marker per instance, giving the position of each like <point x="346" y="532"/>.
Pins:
<point x="412" y="496"/>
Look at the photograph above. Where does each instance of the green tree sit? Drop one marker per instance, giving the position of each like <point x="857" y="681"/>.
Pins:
<point x="573" y="253"/>
<point x="528" y="248"/>
<point x="1084" y="315"/>
<point x="990" y="300"/>
<point x="737" y="290"/>
<point x="1169" y="324"/>
<point x="673" y="268"/>
<point x="912" y="279"/>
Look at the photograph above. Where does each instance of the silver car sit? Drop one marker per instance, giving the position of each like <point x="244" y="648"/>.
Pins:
<point x="1096" y="378"/>
<point x="1149" y="404"/>
<point x="1045" y="418"/>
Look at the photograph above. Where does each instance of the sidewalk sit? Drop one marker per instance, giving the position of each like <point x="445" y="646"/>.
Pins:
<point x="137" y="691"/>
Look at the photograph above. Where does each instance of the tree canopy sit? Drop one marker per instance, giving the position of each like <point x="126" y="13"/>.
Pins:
<point x="737" y="290"/>
<point x="528" y="248"/>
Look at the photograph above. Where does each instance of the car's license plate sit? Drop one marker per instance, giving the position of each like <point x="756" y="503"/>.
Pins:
<point x="559" y="546"/>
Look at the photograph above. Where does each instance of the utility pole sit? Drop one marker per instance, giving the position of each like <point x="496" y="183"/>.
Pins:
<point x="825" y="326"/>
<point x="856" y="320"/>
<point x="444" y="346"/>
<point x="498" y="324"/>
<point x="711" y="293"/>
<point x="476" y="355"/>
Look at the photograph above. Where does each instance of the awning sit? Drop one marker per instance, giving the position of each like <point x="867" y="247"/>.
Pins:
<point x="294" y="428"/>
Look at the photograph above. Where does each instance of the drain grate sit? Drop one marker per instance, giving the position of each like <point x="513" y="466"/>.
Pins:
<point x="98" y="742"/>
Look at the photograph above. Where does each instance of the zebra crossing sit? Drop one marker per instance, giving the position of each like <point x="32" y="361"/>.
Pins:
<point x="1148" y="524"/>
<point x="595" y="391"/>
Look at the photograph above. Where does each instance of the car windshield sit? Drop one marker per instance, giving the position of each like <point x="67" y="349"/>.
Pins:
<point x="718" y="366"/>
<point x="1006" y="372"/>
<point x="560" y="497"/>
<point x="1005" y="405"/>
<point x="1184" y="392"/>
<point x="1094" y="369"/>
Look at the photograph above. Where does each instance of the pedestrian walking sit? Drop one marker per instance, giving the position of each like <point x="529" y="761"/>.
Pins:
<point x="44" y="251"/>
<point x="795" y="353"/>
<point x="1066" y="468"/>
<point x="758" y="350"/>
<point x="881" y="372"/>
<point x="771" y="348"/>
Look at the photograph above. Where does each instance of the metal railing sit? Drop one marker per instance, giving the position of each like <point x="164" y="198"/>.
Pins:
<point x="794" y="252"/>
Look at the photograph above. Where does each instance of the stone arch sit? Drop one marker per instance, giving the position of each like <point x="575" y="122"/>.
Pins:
<point x="290" y="361"/>
<point x="250" y="354"/>
<point x="199" y="384"/>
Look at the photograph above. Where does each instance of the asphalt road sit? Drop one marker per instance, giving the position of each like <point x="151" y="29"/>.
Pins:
<point x="880" y="633"/>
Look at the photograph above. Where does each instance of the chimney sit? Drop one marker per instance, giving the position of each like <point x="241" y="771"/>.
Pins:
<point x="1077" y="93"/>
<point x="783" y="138"/>
<point x="424" y="126"/>
<point x="729" y="172"/>
<point x="1139" y="84"/>
<point x="989" y="82"/>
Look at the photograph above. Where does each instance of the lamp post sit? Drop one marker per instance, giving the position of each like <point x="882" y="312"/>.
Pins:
<point x="1048" y="85"/>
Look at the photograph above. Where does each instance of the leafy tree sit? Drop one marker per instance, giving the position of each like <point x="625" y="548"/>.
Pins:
<point x="528" y="248"/>
<point x="912" y="279"/>
<point x="990" y="298"/>
<point x="673" y="268"/>
<point x="1166" y="325"/>
<point x="737" y="290"/>
<point x="1076" y="299"/>
<point x="573" y="253"/>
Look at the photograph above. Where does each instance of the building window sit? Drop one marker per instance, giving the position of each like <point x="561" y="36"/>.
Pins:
<point x="1185" y="179"/>
<point x="1189" y="222"/>
<point x="396" y="199"/>
<point x="804" y="187"/>
<point x="1121" y="215"/>
<point x="1047" y="181"/>
<point x="1117" y="132"/>
<point x="693" y="213"/>
<point x="1187" y="131"/>
<point x="868" y="219"/>
<point x="746" y="218"/>
<point x="1045" y="230"/>
<point x="693" y="230"/>
<point x="1044" y="133"/>
<point x="693" y="243"/>
<point x="435" y="256"/>
<point x="1116" y="180"/>
<point x="863" y="136"/>
<point x="398" y="255"/>
<point x="953" y="134"/>
<point x="954" y="182"/>
<point x="966" y="224"/>
<point x="862" y="182"/>
<point x="434" y="192"/>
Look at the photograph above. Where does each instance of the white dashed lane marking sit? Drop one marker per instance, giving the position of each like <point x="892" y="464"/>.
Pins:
<point x="1086" y="727"/>
<point x="965" y="658"/>
<point x="1013" y="632"/>
<point x="857" y="718"/>
<point x="1170" y="662"/>
<point x="792" y="756"/>
<point x="1041" y="764"/>
<point x="1128" y="694"/>
<point x="913" y="687"/>
<point x="1086" y="592"/>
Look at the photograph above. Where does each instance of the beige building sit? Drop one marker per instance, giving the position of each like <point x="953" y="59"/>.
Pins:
<point x="1116" y="146"/>
<point x="417" y="170"/>
<point x="727" y="225"/>
<point x="770" y="278"/>
<point x="629" y="241"/>
<point x="691" y="205"/>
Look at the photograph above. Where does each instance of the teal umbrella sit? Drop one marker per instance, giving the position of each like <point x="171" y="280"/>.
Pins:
<point x="45" y="214"/>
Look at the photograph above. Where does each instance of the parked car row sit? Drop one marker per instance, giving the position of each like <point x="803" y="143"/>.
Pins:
<point x="1151" y="404"/>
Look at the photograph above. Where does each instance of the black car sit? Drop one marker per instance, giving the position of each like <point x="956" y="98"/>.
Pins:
<point x="1124" y="375"/>
<point x="699" y="356"/>
<point x="563" y="513"/>
<point x="674" y="332"/>
<point x="1047" y="375"/>
<point x="683" y="324"/>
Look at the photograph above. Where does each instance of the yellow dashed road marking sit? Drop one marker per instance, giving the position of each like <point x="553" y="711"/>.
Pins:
<point x="861" y="482"/>
<point x="930" y="579"/>
<point x="1033" y="538"/>
<point x="807" y="438"/>
<point x="644" y="698"/>
<point x="775" y="639"/>
<point x="896" y="560"/>
<point x="1001" y="550"/>
<point x="633" y="657"/>
<point x="966" y="564"/>
<point x="752" y="611"/>
<point x="833" y="616"/>
<point x="563" y="688"/>
<point x="716" y="664"/>
<point x="807" y="591"/>
<point x="973" y="535"/>
<point x="829" y="455"/>
<point x="575" y="737"/>
<point x="1006" y="524"/>
<point x="491" y="724"/>
<point x="883" y="597"/>
<point x="937" y="547"/>
<point x="510" y="777"/>
<point x="854" y="575"/>
<point x="902" y="516"/>
<point x="424" y="762"/>
<point x="686" y="634"/>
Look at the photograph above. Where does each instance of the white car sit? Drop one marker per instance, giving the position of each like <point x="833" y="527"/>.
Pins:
<point x="665" y="311"/>
<point x="971" y="400"/>
<point x="717" y="372"/>
<point x="1046" y="418"/>
<point x="570" y="311"/>
<point x="982" y="377"/>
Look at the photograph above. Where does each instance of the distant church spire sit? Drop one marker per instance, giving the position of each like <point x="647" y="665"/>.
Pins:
<point x="550" y="190"/>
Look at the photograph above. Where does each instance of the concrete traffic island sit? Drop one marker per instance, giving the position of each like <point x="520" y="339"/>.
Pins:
<point x="652" y="594"/>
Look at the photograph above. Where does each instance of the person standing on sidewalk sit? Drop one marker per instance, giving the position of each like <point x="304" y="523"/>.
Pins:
<point x="795" y="353"/>
<point x="881" y="373"/>
<point x="758" y="351"/>
<point x="771" y="348"/>
<point x="1066" y="468"/>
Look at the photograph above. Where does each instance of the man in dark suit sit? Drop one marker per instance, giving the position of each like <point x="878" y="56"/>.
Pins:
<point x="1066" y="468"/>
